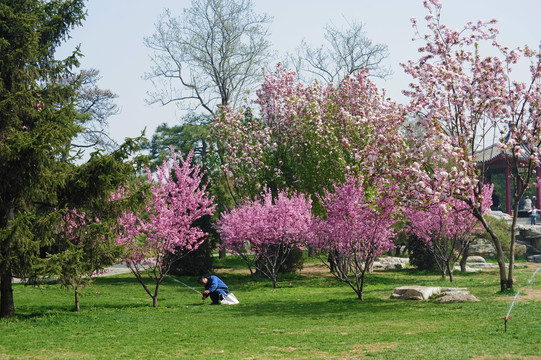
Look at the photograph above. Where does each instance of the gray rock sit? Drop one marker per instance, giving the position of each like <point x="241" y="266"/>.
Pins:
<point x="535" y="258"/>
<point x="475" y="259"/>
<point x="415" y="292"/>
<point x="456" y="296"/>
<point x="389" y="263"/>
<point x="481" y="247"/>
<point x="499" y="215"/>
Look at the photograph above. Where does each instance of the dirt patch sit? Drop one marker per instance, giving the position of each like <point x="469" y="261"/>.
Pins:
<point x="287" y="349"/>
<point x="243" y="271"/>
<point x="505" y="356"/>
<point x="374" y="348"/>
<point x="315" y="270"/>
<point x="526" y="294"/>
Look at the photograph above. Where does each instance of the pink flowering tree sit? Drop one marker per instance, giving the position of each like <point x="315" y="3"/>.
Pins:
<point x="308" y="136"/>
<point x="264" y="231"/>
<point x="81" y="251"/>
<point x="464" y="102"/>
<point x="447" y="229"/>
<point x="357" y="228"/>
<point x="162" y="231"/>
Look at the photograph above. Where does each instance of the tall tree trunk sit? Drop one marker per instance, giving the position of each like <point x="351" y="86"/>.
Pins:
<point x="7" y="306"/>
<point x="499" y="250"/>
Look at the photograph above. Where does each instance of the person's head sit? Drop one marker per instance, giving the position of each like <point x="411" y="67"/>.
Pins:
<point x="202" y="280"/>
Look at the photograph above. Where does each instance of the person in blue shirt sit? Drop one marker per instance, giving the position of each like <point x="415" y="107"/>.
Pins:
<point x="214" y="287"/>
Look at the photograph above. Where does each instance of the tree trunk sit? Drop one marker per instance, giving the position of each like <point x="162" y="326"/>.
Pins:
<point x="156" y="290"/>
<point x="450" y="271"/>
<point x="7" y="307"/>
<point x="510" y="276"/>
<point x="464" y="258"/>
<point x="274" y="282"/>
<point x="77" y="307"/>
<point x="222" y="253"/>
<point x="499" y="250"/>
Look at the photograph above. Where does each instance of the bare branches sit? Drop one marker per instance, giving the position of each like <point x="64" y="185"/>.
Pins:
<point x="208" y="57"/>
<point x="345" y="52"/>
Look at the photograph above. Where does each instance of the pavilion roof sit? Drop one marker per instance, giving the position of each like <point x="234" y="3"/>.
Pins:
<point x="494" y="152"/>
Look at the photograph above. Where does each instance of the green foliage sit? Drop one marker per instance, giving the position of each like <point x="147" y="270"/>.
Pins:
<point x="191" y="135"/>
<point x="37" y="124"/>
<point x="196" y="263"/>
<point x="420" y="255"/>
<point x="503" y="229"/>
<point x="294" y="262"/>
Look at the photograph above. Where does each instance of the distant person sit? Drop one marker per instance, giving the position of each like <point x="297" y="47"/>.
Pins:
<point x="533" y="215"/>
<point x="495" y="202"/>
<point x="214" y="287"/>
<point x="528" y="204"/>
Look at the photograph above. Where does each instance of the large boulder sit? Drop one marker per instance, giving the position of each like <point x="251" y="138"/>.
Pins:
<point x="415" y="292"/>
<point x="452" y="295"/>
<point x="475" y="259"/>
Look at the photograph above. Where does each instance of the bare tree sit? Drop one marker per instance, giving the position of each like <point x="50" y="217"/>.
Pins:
<point x="95" y="106"/>
<point x="210" y="56"/>
<point x="345" y="51"/>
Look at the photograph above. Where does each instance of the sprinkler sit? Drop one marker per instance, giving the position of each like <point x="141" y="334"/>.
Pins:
<point x="507" y="318"/>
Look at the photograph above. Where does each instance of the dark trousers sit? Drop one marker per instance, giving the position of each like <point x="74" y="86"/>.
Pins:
<point x="218" y="295"/>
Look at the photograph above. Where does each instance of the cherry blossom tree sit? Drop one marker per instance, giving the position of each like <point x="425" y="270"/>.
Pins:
<point x="462" y="101"/>
<point x="308" y="136"/>
<point x="357" y="228"/>
<point x="264" y="231"/>
<point x="162" y="231"/>
<point x="447" y="229"/>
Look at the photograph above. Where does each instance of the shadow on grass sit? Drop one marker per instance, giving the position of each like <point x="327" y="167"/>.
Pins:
<point x="314" y="308"/>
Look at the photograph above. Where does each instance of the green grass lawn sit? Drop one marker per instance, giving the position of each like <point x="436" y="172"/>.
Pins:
<point x="311" y="316"/>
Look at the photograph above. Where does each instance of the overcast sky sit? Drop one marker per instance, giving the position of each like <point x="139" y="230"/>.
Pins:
<point x="111" y="40"/>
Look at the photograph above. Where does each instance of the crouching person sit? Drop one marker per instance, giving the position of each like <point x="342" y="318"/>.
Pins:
<point x="214" y="287"/>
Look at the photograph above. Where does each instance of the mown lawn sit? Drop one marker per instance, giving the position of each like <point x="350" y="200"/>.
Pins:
<point x="311" y="316"/>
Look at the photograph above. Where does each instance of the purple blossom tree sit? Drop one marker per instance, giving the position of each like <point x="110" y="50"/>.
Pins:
<point x="447" y="229"/>
<point x="358" y="227"/>
<point x="264" y="231"/>
<point x="162" y="231"/>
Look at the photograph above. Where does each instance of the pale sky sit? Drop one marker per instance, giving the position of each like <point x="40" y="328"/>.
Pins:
<point x="111" y="40"/>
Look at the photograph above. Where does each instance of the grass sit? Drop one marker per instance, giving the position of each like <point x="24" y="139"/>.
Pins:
<point x="311" y="316"/>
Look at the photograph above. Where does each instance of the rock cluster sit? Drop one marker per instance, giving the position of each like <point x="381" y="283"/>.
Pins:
<point x="445" y="295"/>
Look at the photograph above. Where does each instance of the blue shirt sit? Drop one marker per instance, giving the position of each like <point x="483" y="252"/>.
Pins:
<point x="214" y="283"/>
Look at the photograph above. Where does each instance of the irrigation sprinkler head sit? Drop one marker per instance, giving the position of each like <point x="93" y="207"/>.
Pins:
<point x="506" y="319"/>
